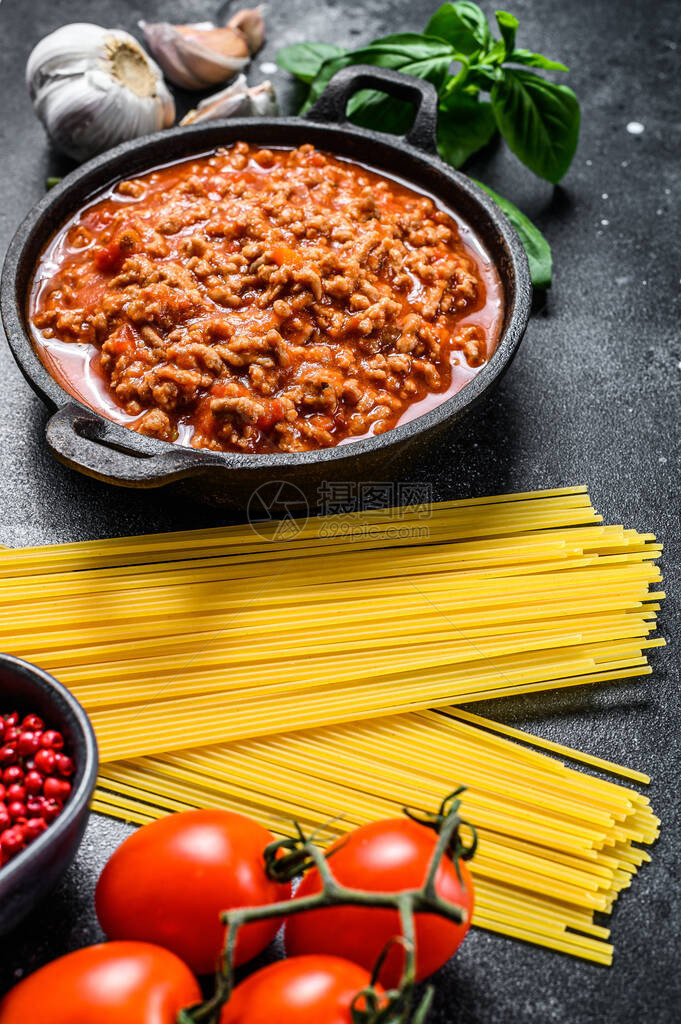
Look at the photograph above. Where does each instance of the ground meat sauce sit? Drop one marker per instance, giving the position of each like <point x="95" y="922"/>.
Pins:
<point x="264" y="300"/>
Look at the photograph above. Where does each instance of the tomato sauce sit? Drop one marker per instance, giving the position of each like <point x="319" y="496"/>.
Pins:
<point x="264" y="300"/>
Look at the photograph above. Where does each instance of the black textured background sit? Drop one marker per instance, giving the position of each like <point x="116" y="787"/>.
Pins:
<point x="593" y="397"/>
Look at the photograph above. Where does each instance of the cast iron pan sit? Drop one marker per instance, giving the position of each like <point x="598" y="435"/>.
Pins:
<point x="92" y="444"/>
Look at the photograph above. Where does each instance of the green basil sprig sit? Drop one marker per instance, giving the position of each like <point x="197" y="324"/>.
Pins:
<point x="463" y="59"/>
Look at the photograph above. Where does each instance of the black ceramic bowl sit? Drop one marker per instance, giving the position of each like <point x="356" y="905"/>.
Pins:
<point x="31" y="874"/>
<point x="87" y="441"/>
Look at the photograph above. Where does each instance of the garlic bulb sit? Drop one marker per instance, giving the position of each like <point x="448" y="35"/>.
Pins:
<point x="93" y="88"/>
<point x="237" y="100"/>
<point x="198" y="56"/>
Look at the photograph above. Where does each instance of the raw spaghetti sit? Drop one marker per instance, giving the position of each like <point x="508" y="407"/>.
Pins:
<point x="290" y="672"/>
<point x="178" y="640"/>
<point x="555" y="845"/>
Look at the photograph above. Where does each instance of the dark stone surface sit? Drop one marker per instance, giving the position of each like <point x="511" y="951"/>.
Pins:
<point x="593" y="398"/>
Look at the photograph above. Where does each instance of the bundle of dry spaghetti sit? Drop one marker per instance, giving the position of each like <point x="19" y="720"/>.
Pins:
<point x="286" y="671"/>
<point x="182" y="640"/>
<point x="555" y="845"/>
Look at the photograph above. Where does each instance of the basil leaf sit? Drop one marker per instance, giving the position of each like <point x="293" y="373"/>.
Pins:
<point x="305" y="59"/>
<point x="371" y="109"/>
<point x="324" y="76"/>
<point x="465" y="125"/>
<point x="421" y="56"/>
<point x="508" y="26"/>
<point x="482" y="77"/>
<point x="539" y="120"/>
<point x="496" y="54"/>
<point x="537" y="248"/>
<point x="535" y="60"/>
<point x="463" y="25"/>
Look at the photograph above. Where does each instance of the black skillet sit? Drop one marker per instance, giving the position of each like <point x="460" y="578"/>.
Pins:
<point x="87" y="441"/>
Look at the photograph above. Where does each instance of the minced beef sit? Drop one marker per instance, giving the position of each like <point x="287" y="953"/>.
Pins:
<point x="265" y="300"/>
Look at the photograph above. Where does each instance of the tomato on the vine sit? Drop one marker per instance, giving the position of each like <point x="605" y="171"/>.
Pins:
<point x="386" y="856"/>
<point x="169" y="882"/>
<point x="304" y="989"/>
<point x="112" y="983"/>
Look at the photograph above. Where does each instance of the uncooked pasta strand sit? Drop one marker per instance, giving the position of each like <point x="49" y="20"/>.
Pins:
<point x="561" y="879"/>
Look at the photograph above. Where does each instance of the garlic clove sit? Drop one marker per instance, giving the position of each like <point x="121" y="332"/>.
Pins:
<point x="252" y="24"/>
<point x="227" y="42"/>
<point x="237" y="100"/>
<point x="233" y="101"/>
<point x="94" y="87"/>
<point x="197" y="56"/>
<point x="264" y="100"/>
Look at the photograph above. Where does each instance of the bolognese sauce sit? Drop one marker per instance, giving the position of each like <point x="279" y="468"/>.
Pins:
<point x="263" y="300"/>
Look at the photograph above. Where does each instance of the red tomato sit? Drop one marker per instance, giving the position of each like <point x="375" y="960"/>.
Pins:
<point x="111" y="258"/>
<point x="385" y="856"/>
<point x="304" y="989"/>
<point x="113" y="983"/>
<point x="169" y="882"/>
<point x="274" y="411"/>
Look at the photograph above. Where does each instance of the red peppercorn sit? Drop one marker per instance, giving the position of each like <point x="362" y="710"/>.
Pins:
<point x="12" y="841"/>
<point x="52" y="739"/>
<point x="65" y="765"/>
<point x="28" y="743"/>
<point x="46" y="762"/>
<point x="51" y="809"/>
<point x="33" y="723"/>
<point x="34" y="774"/>
<point x="17" y="809"/>
<point x="57" y="789"/>
<point x="12" y="775"/>
<point x="33" y="781"/>
<point x="35" y="805"/>
<point x="33" y="828"/>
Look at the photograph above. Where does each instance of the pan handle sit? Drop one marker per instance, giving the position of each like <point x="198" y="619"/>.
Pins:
<point x="92" y="445"/>
<point x="331" y="105"/>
